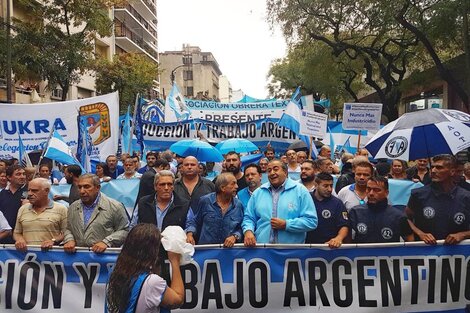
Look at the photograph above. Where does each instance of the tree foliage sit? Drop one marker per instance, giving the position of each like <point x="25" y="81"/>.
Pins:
<point x="57" y="43"/>
<point x="442" y="27"/>
<point x="311" y="65"/>
<point x="362" y="31"/>
<point x="390" y="38"/>
<point x="128" y="73"/>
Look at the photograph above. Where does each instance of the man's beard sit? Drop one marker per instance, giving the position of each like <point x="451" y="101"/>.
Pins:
<point x="307" y="179"/>
<point x="234" y="170"/>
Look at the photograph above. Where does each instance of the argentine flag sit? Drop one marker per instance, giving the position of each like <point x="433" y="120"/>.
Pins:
<point x="59" y="151"/>
<point x="176" y="103"/>
<point x="291" y="117"/>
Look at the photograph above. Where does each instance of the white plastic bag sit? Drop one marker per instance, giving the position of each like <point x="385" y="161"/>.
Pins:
<point x="174" y="240"/>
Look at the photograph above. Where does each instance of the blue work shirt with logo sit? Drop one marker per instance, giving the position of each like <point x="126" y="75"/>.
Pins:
<point x="378" y="223"/>
<point x="332" y="215"/>
<point x="438" y="212"/>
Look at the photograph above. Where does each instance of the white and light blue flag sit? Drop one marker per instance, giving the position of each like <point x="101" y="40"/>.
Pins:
<point x="291" y="117"/>
<point x="175" y="101"/>
<point x="58" y="150"/>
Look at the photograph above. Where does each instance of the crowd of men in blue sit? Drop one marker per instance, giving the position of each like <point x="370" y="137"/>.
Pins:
<point x="224" y="204"/>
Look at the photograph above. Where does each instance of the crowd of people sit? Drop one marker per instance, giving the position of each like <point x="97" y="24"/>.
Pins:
<point x="328" y="204"/>
<point x="227" y="204"/>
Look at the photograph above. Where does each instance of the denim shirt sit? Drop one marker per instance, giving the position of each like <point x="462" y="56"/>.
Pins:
<point x="213" y="227"/>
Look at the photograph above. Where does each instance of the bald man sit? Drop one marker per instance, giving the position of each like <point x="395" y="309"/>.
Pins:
<point x="42" y="221"/>
<point x="191" y="186"/>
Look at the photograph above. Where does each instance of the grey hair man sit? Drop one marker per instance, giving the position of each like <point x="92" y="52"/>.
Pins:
<point x="95" y="220"/>
<point x="41" y="221"/>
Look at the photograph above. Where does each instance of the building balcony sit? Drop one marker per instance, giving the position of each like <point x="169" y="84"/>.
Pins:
<point x="134" y="20"/>
<point x="147" y="9"/>
<point x="132" y="42"/>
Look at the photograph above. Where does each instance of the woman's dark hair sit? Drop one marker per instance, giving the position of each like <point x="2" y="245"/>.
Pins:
<point x="139" y="254"/>
<point x="105" y="168"/>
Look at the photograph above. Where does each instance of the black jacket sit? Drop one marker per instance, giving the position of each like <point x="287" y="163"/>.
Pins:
<point x="176" y="215"/>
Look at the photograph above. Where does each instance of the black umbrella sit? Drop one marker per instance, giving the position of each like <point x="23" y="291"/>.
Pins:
<point x="300" y="145"/>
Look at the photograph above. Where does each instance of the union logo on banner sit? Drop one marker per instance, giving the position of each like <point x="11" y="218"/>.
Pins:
<point x="97" y="120"/>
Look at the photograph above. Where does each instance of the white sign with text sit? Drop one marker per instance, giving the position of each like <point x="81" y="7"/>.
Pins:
<point x="362" y="116"/>
<point x="313" y="124"/>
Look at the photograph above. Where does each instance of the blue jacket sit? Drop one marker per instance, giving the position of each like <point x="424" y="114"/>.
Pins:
<point x="244" y="196"/>
<point x="295" y="206"/>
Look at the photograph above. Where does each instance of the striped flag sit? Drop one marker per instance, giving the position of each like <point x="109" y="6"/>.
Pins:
<point x="58" y="150"/>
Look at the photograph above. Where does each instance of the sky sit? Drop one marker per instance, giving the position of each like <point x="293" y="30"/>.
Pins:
<point x="235" y="31"/>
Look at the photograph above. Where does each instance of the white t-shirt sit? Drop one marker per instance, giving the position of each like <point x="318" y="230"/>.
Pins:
<point x="151" y="295"/>
<point x="293" y="170"/>
<point x="4" y="226"/>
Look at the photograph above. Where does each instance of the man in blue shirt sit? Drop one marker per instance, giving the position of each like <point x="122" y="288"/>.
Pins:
<point x="253" y="179"/>
<point x="219" y="215"/>
<point x="332" y="214"/>
<point x="377" y="221"/>
<point x="280" y="211"/>
<point x="440" y="210"/>
<point x="151" y="158"/>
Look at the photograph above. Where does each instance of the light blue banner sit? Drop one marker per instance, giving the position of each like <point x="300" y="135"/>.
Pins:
<point x="126" y="191"/>
<point x="122" y="190"/>
<point x="369" y="278"/>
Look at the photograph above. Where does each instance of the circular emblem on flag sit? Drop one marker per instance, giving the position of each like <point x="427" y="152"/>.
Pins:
<point x="387" y="233"/>
<point x="396" y="146"/>
<point x="459" y="218"/>
<point x="326" y="214"/>
<point x="429" y="212"/>
<point x="362" y="228"/>
<point x="458" y="115"/>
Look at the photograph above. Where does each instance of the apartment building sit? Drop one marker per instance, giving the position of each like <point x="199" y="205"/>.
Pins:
<point x="195" y="72"/>
<point x="135" y="30"/>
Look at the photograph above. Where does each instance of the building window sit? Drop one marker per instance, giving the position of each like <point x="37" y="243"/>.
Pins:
<point x="204" y="58"/>
<point x="56" y="93"/>
<point x="188" y="75"/>
<point x="187" y="60"/>
<point x="189" y="91"/>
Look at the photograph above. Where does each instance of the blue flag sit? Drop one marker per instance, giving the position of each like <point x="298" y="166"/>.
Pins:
<point x="126" y="133"/>
<point x="138" y="123"/>
<point x="84" y="146"/>
<point x="347" y="145"/>
<point x="24" y="157"/>
<point x="332" y="146"/>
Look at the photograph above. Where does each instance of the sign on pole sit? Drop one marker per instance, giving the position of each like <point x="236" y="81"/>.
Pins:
<point x="313" y="124"/>
<point x="362" y="116"/>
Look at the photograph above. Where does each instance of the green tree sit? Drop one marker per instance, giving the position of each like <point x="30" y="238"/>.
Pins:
<point x="361" y="31"/>
<point x="57" y="43"/>
<point x="128" y="73"/>
<point x="442" y="27"/>
<point x="311" y="64"/>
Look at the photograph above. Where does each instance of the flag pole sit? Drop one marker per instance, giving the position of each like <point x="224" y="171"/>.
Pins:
<point x="358" y="142"/>
<point x="131" y="130"/>
<point x="36" y="172"/>
<point x="311" y="147"/>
